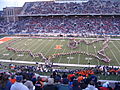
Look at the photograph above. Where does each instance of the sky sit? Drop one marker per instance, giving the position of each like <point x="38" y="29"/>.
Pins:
<point x="14" y="3"/>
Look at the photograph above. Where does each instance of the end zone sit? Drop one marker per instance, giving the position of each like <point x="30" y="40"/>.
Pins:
<point x="5" y="39"/>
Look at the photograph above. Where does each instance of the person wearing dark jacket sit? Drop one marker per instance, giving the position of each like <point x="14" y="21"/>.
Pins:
<point x="64" y="85"/>
<point x="76" y="85"/>
<point x="5" y="84"/>
<point x="39" y="84"/>
<point x="50" y="85"/>
<point x="117" y="86"/>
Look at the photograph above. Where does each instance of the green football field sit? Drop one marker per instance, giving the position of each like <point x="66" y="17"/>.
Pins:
<point x="48" y="48"/>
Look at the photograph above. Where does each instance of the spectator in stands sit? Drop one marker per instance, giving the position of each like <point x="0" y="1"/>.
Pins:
<point x="29" y="83"/>
<point x="117" y="86"/>
<point x="79" y="25"/>
<point x="12" y="79"/>
<point x="64" y="85"/>
<point x="91" y="86"/>
<point x="57" y="82"/>
<point x="39" y="84"/>
<point x="64" y="75"/>
<point x="105" y="86"/>
<point x="18" y="85"/>
<point x="33" y="79"/>
<point x="50" y="85"/>
<point x="92" y="6"/>
<point x="76" y="85"/>
<point x="5" y="84"/>
<point x="93" y="78"/>
<point x="98" y="84"/>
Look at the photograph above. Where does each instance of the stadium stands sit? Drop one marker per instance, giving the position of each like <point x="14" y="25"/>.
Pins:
<point x="77" y="79"/>
<point x="90" y="7"/>
<point x="3" y="27"/>
<point x="92" y="17"/>
<point x="69" y="24"/>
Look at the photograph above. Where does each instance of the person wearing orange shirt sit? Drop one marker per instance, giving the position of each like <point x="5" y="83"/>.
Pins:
<point x="12" y="79"/>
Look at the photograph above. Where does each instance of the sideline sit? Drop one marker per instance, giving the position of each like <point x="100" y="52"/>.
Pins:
<point x="40" y="37"/>
<point x="59" y="64"/>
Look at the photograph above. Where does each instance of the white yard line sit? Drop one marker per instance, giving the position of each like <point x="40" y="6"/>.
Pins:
<point x="114" y="56"/>
<point x="38" y="45"/>
<point x="20" y="49"/>
<point x="14" y="46"/>
<point x="69" y="57"/>
<point x="51" y="47"/>
<point x="34" y="48"/>
<point x="96" y="52"/>
<point x="117" y="49"/>
<point x="101" y="47"/>
<point x="55" y="51"/>
<point x="88" y="52"/>
<point x="29" y="49"/>
<point x="60" y="64"/>
<point x="79" y="54"/>
<point x="118" y="42"/>
<point x="79" y="59"/>
<point x="2" y="50"/>
<point x="62" y="52"/>
<point x="44" y="47"/>
<point x="3" y="47"/>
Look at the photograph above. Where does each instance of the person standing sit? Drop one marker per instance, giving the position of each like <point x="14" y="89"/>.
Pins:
<point x="29" y="84"/>
<point x="5" y="83"/>
<point x="39" y="84"/>
<point x="18" y="85"/>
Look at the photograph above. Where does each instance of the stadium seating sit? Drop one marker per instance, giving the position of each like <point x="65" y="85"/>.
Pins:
<point x="90" y="7"/>
<point x="67" y="18"/>
<point x="69" y="24"/>
<point x="76" y="79"/>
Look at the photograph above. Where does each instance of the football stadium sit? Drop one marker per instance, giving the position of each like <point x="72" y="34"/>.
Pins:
<point x="75" y="44"/>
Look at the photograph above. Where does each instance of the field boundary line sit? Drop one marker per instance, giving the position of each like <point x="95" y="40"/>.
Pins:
<point x="59" y="64"/>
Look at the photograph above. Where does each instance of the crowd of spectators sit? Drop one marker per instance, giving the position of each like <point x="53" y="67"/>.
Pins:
<point x="67" y="19"/>
<point x="24" y="78"/>
<point x="3" y="26"/>
<point x="69" y="24"/>
<point x="92" y="6"/>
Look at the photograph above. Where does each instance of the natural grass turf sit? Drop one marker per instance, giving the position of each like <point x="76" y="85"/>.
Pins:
<point x="46" y="46"/>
